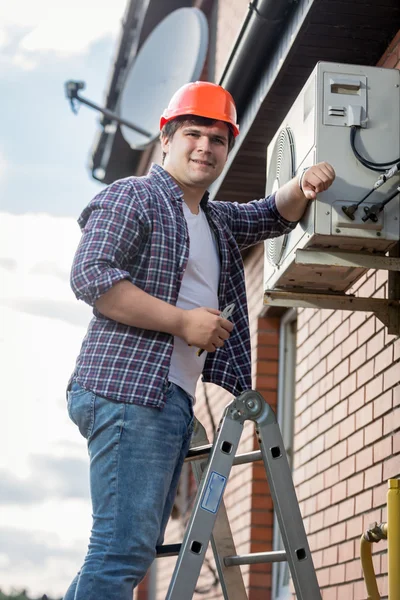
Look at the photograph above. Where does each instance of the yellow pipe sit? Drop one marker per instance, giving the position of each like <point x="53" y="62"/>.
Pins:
<point x="368" y="568"/>
<point x="393" y="536"/>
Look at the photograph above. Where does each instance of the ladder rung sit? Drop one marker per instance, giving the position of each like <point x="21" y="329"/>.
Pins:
<point x="255" y="558"/>
<point x="168" y="550"/>
<point x="240" y="459"/>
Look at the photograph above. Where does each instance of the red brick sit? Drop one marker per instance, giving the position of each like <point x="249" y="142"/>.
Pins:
<point x="329" y="593"/>
<point x="396" y="396"/>
<point x="347" y="467"/>
<point x="338" y="533"/>
<point x="334" y="358"/>
<point x="374" y="388"/>
<point x="346" y="551"/>
<point x="356" y="400"/>
<point x="332" y="437"/>
<point x="391" y="377"/>
<point x="331" y="515"/>
<point x="379" y="494"/>
<point x="365" y="373"/>
<point x="365" y="332"/>
<point x="316" y="522"/>
<point x="355" y="442"/>
<point x="396" y="443"/>
<point x="267" y="367"/>
<point x="358" y="358"/>
<point x="336" y="574"/>
<point x="364" y="416"/>
<point x="354" y="527"/>
<point x="353" y="570"/>
<point x="324" y="461"/>
<point x="375" y="345"/>
<point x="341" y="371"/>
<point x="383" y="360"/>
<point x="373" y="431"/>
<point x="318" y="409"/>
<point x="372" y="476"/>
<point x="391" y="422"/>
<point x="350" y="345"/>
<point x="346" y="509"/>
<point x="339" y="452"/>
<point x="364" y="459"/>
<point x="330" y="556"/>
<point x="382" y="449"/>
<point x="391" y="468"/>
<point x="364" y="502"/>
<point x="340" y="412"/>
<point x="382" y="404"/>
<point x="325" y="422"/>
<point x="339" y="492"/>
<point x="347" y="427"/>
<point x="391" y="61"/>
<point x="331" y="475"/>
<point x="265" y="382"/>
<point x="355" y="484"/>
<point x="267" y="352"/>
<point x="327" y="346"/>
<point x="348" y="386"/>
<point x="323" y="577"/>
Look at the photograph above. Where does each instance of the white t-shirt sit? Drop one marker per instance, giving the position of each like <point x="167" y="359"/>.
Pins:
<point x="199" y="288"/>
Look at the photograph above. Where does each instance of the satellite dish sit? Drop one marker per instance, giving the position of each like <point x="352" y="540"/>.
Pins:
<point x="172" y="55"/>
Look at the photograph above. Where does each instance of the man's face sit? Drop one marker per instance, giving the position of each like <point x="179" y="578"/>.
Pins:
<point x="196" y="154"/>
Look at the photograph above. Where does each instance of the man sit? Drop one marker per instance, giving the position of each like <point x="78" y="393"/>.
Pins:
<point x="158" y="262"/>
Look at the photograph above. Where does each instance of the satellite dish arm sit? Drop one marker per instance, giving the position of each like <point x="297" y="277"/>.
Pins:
<point x="72" y="92"/>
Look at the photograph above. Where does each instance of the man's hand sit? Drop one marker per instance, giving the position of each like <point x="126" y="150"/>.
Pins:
<point x="292" y="200"/>
<point x="316" y="179"/>
<point x="205" y="328"/>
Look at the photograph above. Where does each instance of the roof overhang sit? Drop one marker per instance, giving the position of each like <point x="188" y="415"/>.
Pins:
<point x="276" y="50"/>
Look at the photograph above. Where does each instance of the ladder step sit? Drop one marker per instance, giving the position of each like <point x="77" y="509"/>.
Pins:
<point x="204" y="451"/>
<point x="256" y="558"/>
<point x="168" y="550"/>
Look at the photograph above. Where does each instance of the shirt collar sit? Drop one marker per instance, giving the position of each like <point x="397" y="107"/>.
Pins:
<point x="159" y="174"/>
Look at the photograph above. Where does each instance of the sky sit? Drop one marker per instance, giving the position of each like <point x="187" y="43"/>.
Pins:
<point x="45" y="513"/>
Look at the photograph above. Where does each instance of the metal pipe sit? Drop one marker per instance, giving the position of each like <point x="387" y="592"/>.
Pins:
<point x="256" y="558"/>
<point x="375" y="533"/>
<point x="368" y="568"/>
<point x="393" y="537"/>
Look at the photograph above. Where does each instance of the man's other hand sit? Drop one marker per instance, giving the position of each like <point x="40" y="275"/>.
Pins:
<point x="316" y="179"/>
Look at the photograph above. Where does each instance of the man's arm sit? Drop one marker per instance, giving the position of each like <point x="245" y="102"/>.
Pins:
<point x="202" y="327"/>
<point x="292" y="200"/>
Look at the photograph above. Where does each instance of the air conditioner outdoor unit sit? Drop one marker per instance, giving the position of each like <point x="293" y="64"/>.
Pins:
<point x="316" y="129"/>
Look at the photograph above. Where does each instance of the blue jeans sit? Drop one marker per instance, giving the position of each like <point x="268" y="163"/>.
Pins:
<point x="136" y="456"/>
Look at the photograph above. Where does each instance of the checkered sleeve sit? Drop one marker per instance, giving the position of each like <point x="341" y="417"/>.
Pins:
<point x="113" y="227"/>
<point x="255" y="221"/>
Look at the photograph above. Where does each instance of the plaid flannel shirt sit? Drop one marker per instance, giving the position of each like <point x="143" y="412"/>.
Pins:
<point x="135" y="229"/>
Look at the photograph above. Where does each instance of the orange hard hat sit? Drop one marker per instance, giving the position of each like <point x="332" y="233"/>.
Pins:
<point x="203" y="99"/>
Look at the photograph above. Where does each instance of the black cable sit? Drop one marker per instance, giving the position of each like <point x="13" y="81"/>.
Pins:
<point x="373" y="166"/>
<point x="373" y="211"/>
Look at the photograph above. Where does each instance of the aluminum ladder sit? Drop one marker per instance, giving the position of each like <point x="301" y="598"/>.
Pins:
<point x="209" y="521"/>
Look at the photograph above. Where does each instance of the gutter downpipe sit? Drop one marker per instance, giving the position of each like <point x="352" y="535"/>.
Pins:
<point x="260" y="30"/>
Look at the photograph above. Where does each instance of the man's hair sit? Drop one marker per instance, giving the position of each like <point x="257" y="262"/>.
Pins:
<point x="172" y="127"/>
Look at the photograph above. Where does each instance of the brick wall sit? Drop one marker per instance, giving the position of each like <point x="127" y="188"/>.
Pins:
<point x="347" y="430"/>
<point x="347" y="415"/>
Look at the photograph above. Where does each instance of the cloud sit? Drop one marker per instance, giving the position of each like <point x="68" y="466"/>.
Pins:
<point x="4" y="166"/>
<point x="8" y="263"/>
<point x="51" y="477"/>
<point x="70" y="312"/>
<point x="33" y="30"/>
